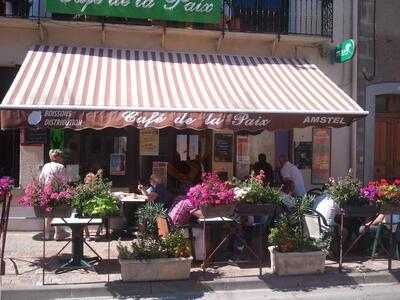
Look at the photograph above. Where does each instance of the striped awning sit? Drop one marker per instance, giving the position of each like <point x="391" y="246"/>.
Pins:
<point x="81" y="87"/>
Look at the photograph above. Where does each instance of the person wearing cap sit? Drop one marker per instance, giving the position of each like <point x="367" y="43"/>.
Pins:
<point x="51" y="170"/>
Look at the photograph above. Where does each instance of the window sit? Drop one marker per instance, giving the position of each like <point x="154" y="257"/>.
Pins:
<point x="9" y="156"/>
<point x="387" y="104"/>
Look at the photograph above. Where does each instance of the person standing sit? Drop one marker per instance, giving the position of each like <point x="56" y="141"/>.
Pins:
<point x="51" y="170"/>
<point x="290" y="172"/>
<point x="262" y="164"/>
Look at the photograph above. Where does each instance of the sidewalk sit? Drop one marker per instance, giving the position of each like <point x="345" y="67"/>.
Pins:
<point x="24" y="275"/>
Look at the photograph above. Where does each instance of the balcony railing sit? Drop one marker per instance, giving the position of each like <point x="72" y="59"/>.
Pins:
<point x="305" y="17"/>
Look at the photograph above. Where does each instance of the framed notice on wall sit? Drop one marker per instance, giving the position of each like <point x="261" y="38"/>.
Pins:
<point x="321" y="155"/>
<point x="149" y="142"/>
<point x="223" y="147"/>
<point x="117" y="164"/>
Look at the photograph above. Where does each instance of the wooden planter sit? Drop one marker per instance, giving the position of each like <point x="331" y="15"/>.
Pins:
<point x="58" y="212"/>
<point x="295" y="263"/>
<point x="155" y="269"/>
<point x="249" y="209"/>
<point x="360" y="211"/>
<point x="218" y="211"/>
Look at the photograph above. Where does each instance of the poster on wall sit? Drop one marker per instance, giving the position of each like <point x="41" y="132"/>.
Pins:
<point x="242" y="149"/>
<point x="303" y="155"/>
<point x="160" y="168"/>
<point x="321" y="156"/>
<point x="149" y="142"/>
<point x="223" y="147"/>
<point x="117" y="164"/>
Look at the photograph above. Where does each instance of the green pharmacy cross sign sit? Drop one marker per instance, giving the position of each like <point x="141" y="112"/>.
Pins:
<point x="199" y="11"/>
<point x="345" y="51"/>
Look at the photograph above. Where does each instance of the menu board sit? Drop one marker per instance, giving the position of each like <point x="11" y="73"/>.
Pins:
<point x="223" y="147"/>
<point x="35" y="136"/>
<point x="321" y="156"/>
<point x="149" y="142"/>
<point x="303" y="155"/>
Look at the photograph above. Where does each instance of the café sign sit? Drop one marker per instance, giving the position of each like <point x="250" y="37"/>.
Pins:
<point x="98" y="119"/>
<point x="199" y="11"/>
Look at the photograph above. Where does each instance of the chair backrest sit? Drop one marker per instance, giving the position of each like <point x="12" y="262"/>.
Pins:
<point x="163" y="227"/>
<point x="312" y="226"/>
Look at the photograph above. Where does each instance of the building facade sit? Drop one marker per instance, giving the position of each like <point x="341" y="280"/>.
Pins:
<point x="299" y="29"/>
<point x="378" y="148"/>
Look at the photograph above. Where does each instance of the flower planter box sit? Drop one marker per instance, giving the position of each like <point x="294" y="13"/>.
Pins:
<point x="295" y="263"/>
<point x="155" y="269"/>
<point x="360" y="211"/>
<point x="390" y="209"/>
<point x="58" y="212"/>
<point x="215" y="211"/>
<point x="249" y="209"/>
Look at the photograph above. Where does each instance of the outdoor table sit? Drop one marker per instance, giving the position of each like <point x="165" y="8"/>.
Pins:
<point x="129" y="199"/>
<point x="232" y="233"/>
<point x="77" y="226"/>
<point x="366" y="228"/>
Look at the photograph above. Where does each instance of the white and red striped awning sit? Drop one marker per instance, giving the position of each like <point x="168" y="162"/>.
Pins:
<point x="81" y="87"/>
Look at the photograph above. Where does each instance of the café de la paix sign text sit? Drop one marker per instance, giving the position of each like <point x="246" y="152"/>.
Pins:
<point x="200" y="11"/>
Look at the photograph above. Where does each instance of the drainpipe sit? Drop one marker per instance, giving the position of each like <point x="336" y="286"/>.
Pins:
<point x="353" y="133"/>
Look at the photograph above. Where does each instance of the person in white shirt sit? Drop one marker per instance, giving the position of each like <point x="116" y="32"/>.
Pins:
<point x="51" y="170"/>
<point x="327" y="207"/>
<point x="292" y="173"/>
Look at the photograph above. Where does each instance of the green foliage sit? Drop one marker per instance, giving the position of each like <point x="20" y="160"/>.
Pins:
<point x="288" y="234"/>
<point x="176" y="244"/>
<point x="101" y="206"/>
<point x="94" y="198"/>
<point x="345" y="191"/>
<point x="254" y="191"/>
<point x="147" y="217"/>
<point x="149" y="247"/>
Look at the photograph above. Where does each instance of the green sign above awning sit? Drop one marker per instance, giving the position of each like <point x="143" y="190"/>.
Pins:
<point x="345" y="51"/>
<point x="199" y="11"/>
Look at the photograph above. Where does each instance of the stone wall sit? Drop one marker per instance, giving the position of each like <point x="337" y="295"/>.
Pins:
<point x="378" y="59"/>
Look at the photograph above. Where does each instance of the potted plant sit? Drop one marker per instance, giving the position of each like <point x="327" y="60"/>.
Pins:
<point x="52" y="199"/>
<point x="214" y="197"/>
<point x="147" y="218"/>
<point x="151" y="258"/>
<point x="255" y="198"/>
<point x="346" y="193"/>
<point x="291" y="251"/>
<point x="94" y="199"/>
<point x="383" y="193"/>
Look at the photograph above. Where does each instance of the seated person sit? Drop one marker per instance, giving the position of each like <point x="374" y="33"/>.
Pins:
<point x="381" y="219"/>
<point x="156" y="192"/>
<point x="288" y="197"/>
<point x="327" y="207"/>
